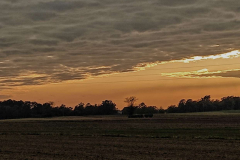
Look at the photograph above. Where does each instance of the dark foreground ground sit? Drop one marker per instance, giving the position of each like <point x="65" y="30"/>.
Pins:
<point x="168" y="137"/>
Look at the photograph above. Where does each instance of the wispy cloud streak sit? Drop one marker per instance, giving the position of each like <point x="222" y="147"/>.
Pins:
<point x="204" y="73"/>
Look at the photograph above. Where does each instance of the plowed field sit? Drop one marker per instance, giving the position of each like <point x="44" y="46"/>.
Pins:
<point x="170" y="137"/>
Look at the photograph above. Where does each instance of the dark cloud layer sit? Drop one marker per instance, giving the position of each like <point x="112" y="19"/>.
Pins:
<point x="70" y="39"/>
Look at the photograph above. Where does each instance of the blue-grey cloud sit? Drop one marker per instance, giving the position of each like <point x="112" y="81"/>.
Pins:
<point x="44" y="42"/>
<point x="69" y="39"/>
<point x="41" y="16"/>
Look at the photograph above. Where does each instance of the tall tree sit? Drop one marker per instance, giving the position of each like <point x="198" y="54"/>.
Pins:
<point x="130" y="102"/>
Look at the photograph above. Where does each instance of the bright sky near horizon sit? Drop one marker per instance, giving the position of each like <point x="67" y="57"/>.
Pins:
<point x="72" y="51"/>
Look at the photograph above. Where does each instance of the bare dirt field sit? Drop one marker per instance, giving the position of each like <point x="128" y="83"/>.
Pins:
<point x="167" y="137"/>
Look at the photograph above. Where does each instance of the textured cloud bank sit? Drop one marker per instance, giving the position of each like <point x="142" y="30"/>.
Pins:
<point x="46" y="41"/>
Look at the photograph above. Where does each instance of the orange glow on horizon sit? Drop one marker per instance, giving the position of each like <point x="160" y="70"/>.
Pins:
<point x="158" y="84"/>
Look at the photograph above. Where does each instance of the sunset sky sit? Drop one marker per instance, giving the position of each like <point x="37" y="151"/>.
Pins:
<point x="161" y="51"/>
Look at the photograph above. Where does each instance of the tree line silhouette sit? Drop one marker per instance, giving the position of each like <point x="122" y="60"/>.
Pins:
<point x="205" y="104"/>
<point x="10" y="109"/>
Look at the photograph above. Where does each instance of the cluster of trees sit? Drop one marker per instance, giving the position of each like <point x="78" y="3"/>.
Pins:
<point x="106" y="108"/>
<point x="142" y="108"/>
<point x="137" y="111"/>
<point x="205" y="104"/>
<point x="19" y="109"/>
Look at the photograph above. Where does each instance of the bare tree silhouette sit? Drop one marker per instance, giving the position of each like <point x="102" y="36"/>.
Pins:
<point x="130" y="102"/>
